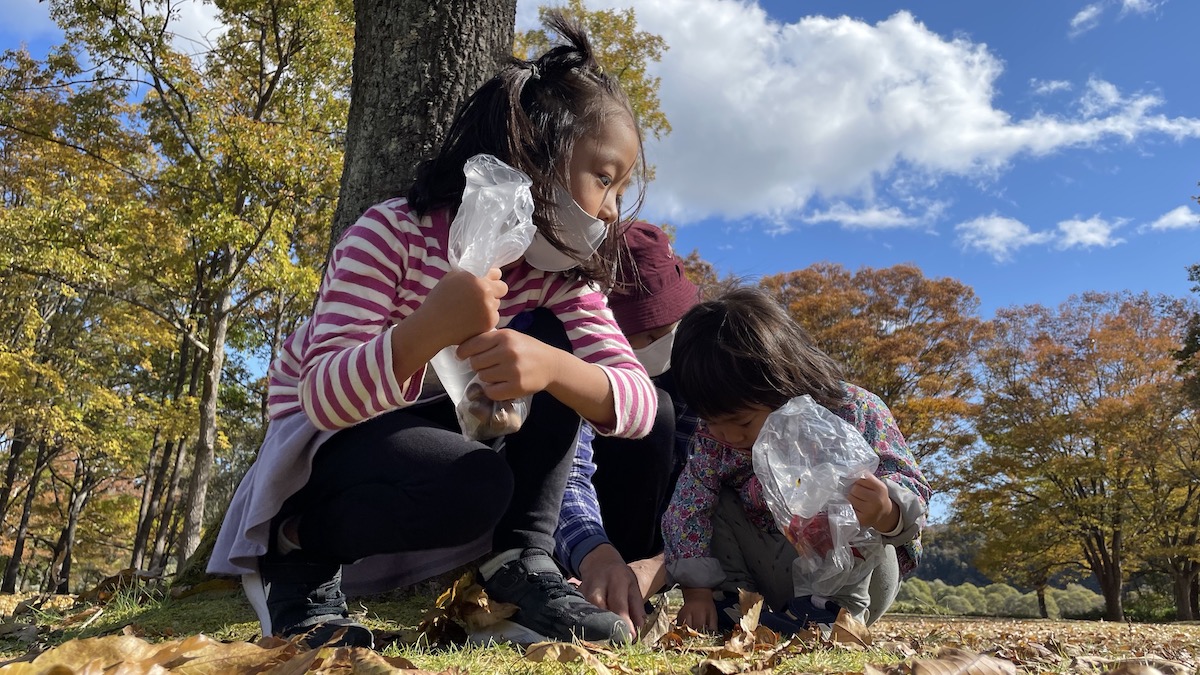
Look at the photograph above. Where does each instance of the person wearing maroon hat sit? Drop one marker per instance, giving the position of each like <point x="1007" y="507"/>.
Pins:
<point x="610" y="534"/>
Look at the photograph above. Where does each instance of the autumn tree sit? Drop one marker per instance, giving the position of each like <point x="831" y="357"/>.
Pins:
<point x="1189" y="355"/>
<point x="908" y="338"/>
<point x="1072" y="414"/>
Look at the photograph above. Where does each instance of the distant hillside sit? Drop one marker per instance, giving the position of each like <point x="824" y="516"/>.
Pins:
<point x="948" y="556"/>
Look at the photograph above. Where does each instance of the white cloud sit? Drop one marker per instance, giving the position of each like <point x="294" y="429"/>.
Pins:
<point x="1181" y="218"/>
<point x="195" y="27"/>
<point x="871" y="217"/>
<point x="1086" y="19"/>
<point x="1044" y="87"/>
<point x="768" y="115"/>
<point x="1090" y="233"/>
<point x="1139" y="6"/>
<point x="998" y="236"/>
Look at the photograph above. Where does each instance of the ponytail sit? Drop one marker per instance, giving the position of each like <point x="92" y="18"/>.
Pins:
<point x="530" y="115"/>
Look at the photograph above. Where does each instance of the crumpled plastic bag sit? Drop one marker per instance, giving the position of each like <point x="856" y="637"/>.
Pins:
<point x="493" y="227"/>
<point x="806" y="459"/>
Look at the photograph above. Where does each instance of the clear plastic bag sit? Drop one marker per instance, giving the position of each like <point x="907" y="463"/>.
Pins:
<point x="806" y="459"/>
<point x="493" y="227"/>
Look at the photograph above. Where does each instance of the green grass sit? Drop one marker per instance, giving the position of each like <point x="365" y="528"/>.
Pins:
<point x="226" y="616"/>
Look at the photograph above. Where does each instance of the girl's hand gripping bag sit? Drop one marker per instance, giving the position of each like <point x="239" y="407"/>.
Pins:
<point x="493" y="227"/>
<point x="807" y="458"/>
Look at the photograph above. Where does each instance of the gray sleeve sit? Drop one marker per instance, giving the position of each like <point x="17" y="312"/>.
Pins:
<point x="696" y="572"/>
<point x="912" y="514"/>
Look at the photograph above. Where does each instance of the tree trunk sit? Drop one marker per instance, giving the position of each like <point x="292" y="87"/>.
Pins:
<point x="81" y="492"/>
<point x="1110" y="588"/>
<point x="415" y="62"/>
<point x="1043" y="611"/>
<point x="9" y="584"/>
<point x="141" y="539"/>
<point x="218" y="328"/>
<point x="142" y="532"/>
<point x="1183" y="583"/>
<point x="166" y="519"/>
<point x="16" y="449"/>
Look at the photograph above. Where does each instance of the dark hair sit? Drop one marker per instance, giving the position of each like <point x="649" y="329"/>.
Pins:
<point x="530" y="116"/>
<point x="742" y="349"/>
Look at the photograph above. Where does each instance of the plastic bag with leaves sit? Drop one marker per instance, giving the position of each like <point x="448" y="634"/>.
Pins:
<point x="806" y="459"/>
<point x="493" y="227"/>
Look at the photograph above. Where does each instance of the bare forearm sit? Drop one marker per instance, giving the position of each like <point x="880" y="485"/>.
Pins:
<point x="584" y="388"/>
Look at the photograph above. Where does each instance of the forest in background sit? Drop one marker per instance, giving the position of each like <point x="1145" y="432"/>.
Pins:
<point x="166" y="215"/>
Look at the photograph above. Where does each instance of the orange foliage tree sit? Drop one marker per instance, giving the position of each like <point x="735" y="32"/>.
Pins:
<point x="1079" y="404"/>
<point x="900" y="334"/>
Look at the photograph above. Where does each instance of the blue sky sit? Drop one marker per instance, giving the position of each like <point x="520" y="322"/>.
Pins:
<point x="1032" y="150"/>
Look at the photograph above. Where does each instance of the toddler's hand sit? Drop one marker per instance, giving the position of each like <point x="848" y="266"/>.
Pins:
<point x="699" y="611"/>
<point x="871" y="503"/>
<point x="511" y="364"/>
<point x="462" y="306"/>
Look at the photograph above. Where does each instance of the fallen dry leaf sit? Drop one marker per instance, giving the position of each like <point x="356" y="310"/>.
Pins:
<point x="950" y="661"/>
<point x="751" y="605"/>
<point x="657" y="625"/>
<point x="565" y="652"/>
<point x="849" y="631"/>
<point x="725" y="667"/>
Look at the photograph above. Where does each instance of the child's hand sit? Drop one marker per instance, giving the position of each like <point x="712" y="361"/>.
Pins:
<point x="699" y="611"/>
<point x="511" y="364"/>
<point x="462" y="306"/>
<point x="872" y="505"/>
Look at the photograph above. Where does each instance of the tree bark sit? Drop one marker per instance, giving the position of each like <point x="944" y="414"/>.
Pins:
<point x="81" y="491"/>
<point x="9" y="584"/>
<point x="1183" y="582"/>
<point x="414" y="64"/>
<point x="1043" y="611"/>
<point x="16" y="449"/>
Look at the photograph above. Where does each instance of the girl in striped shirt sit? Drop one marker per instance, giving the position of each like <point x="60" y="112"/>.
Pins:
<point x="360" y="460"/>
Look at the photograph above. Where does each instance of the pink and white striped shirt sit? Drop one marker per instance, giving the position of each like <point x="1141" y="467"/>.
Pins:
<point x="337" y="366"/>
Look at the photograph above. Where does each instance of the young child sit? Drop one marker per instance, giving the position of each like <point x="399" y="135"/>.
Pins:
<point x="360" y="461"/>
<point x="610" y="526"/>
<point x="736" y="359"/>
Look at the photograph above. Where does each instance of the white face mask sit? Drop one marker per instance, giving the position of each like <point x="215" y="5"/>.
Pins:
<point x="656" y="356"/>
<point x="580" y="232"/>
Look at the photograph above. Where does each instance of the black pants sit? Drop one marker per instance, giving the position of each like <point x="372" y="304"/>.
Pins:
<point x="634" y="481"/>
<point x="407" y="480"/>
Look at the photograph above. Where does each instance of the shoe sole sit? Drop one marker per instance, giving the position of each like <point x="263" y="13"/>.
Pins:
<point x="503" y="632"/>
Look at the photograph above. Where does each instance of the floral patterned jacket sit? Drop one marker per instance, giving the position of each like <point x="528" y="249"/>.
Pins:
<point x="712" y="465"/>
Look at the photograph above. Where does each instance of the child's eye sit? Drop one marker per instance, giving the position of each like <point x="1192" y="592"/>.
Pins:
<point x="606" y="181"/>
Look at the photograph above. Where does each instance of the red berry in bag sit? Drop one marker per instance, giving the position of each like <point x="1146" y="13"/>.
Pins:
<point x="810" y="534"/>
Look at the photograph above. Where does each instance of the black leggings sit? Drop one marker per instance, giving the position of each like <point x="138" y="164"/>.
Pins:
<point x="407" y="480"/>
<point x="634" y="481"/>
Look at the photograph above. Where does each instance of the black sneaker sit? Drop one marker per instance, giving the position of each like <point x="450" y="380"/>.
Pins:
<point x="803" y="613"/>
<point x="549" y="605"/>
<point x="729" y="616"/>
<point x="296" y="597"/>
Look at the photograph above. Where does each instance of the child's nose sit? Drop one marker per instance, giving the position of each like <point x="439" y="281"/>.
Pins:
<point x="608" y="210"/>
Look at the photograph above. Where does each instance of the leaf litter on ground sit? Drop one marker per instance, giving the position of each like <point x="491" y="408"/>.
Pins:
<point x="897" y="645"/>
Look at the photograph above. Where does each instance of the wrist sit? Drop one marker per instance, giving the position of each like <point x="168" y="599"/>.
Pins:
<point x="697" y="595"/>
<point x="890" y="520"/>
<point x="602" y="556"/>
